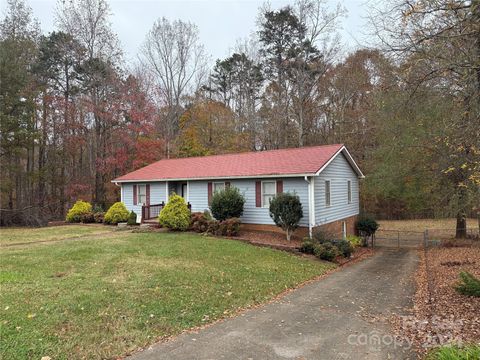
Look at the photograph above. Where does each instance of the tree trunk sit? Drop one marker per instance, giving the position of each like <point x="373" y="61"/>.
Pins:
<point x="289" y="234"/>
<point x="461" y="228"/>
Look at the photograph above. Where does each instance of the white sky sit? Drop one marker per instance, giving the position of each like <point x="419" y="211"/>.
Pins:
<point x="221" y="23"/>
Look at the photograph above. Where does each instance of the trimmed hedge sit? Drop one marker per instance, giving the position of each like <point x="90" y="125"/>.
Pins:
<point x="79" y="209"/>
<point x="132" y="218"/>
<point x="286" y="212"/>
<point x="116" y="214"/>
<point x="227" y="204"/>
<point x="175" y="215"/>
<point x="366" y="225"/>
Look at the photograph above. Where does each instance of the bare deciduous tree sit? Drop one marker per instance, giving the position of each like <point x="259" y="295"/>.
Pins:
<point x="173" y="53"/>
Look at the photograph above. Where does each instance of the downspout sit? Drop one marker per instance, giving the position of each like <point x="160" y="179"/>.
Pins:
<point x="311" y="205"/>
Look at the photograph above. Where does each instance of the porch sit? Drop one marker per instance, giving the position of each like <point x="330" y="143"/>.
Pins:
<point x="150" y="212"/>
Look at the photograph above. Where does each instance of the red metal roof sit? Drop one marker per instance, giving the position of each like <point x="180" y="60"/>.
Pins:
<point x="307" y="160"/>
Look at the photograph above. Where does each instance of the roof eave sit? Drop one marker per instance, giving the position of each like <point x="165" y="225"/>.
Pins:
<point x="350" y="160"/>
<point x="215" y="178"/>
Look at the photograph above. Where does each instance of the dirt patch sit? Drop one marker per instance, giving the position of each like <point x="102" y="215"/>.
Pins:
<point x="440" y="314"/>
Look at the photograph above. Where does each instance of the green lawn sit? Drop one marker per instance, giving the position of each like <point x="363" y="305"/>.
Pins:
<point x="25" y="235"/>
<point x="468" y="352"/>
<point x="105" y="297"/>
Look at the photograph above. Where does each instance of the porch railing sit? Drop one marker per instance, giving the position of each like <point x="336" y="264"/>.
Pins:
<point x="153" y="210"/>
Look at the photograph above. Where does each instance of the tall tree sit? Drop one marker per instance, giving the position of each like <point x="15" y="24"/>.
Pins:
<point x="237" y="81"/>
<point x="174" y="55"/>
<point x="18" y="48"/>
<point x="439" y="41"/>
<point x="88" y="22"/>
<point x="56" y="70"/>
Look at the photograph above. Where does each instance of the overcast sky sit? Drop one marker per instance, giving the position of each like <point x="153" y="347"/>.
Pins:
<point x="221" y="23"/>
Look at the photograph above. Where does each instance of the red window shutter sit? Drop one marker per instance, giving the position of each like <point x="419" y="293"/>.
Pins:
<point x="147" y="190"/>
<point x="258" y="194"/>
<point x="209" y="193"/>
<point x="227" y="184"/>
<point x="279" y="186"/>
<point x="134" y="194"/>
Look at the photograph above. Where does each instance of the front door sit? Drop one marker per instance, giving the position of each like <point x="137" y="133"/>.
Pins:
<point x="184" y="191"/>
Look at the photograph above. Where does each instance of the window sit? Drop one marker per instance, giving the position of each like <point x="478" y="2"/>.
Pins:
<point x="349" y="191"/>
<point x="141" y="194"/>
<point x="327" y="193"/>
<point x="269" y="190"/>
<point x="218" y="186"/>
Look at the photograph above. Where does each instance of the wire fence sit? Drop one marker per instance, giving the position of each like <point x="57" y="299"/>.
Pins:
<point x="419" y="239"/>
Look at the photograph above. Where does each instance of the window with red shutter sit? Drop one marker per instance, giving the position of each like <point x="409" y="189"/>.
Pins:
<point x="258" y="194"/>
<point x="279" y="186"/>
<point x="210" y="191"/>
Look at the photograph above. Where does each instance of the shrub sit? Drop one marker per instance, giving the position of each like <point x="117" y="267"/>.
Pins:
<point x="175" y="215"/>
<point x="307" y="247"/>
<point x="98" y="217"/>
<point x="97" y="208"/>
<point x="355" y="241"/>
<point x="77" y="210"/>
<point x="468" y="285"/>
<point x="326" y="251"/>
<point x="227" y="204"/>
<point x="116" y="214"/>
<point x="199" y="222"/>
<point x="366" y="225"/>
<point x="344" y="247"/>
<point x="213" y="226"/>
<point x="87" y="218"/>
<point x="286" y="211"/>
<point x="230" y="227"/>
<point x="321" y="236"/>
<point x="207" y="214"/>
<point x="132" y="218"/>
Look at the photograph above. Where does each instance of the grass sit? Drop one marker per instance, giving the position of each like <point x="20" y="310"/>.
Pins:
<point x="10" y="236"/>
<point x="469" y="352"/>
<point x="422" y="224"/>
<point x="103" y="298"/>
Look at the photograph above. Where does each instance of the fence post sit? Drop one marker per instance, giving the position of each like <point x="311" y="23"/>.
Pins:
<point x="398" y="239"/>
<point x="425" y="238"/>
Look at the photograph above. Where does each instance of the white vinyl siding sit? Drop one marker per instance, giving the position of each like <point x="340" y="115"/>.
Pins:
<point x="338" y="172"/>
<point x="157" y="196"/>
<point x="198" y="198"/>
<point x="269" y="190"/>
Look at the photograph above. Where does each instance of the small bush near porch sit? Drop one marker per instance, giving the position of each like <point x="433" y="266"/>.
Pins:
<point x="105" y="297"/>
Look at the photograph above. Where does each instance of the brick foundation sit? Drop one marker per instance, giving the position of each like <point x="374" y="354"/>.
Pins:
<point x="300" y="232"/>
<point x="335" y="228"/>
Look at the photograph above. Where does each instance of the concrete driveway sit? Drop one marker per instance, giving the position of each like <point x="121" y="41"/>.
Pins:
<point x="338" y="317"/>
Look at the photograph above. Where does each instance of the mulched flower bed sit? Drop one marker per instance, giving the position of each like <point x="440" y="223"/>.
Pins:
<point x="441" y="315"/>
<point x="278" y="241"/>
<point x="270" y="238"/>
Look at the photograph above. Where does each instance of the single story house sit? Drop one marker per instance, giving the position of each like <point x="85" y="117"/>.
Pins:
<point x="326" y="179"/>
